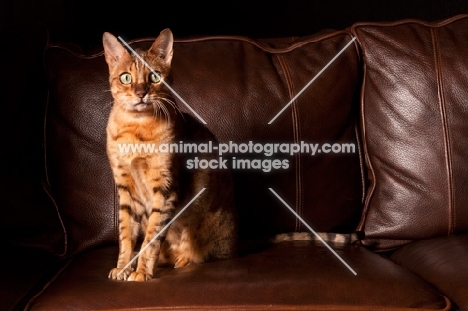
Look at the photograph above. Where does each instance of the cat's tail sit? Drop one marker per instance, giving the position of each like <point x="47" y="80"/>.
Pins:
<point x="252" y="246"/>
<point x="329" y="237"/>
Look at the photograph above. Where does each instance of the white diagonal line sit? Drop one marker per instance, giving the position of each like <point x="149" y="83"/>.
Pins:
<point x="160" y="232"/>
<point x="313" y="231"/>
<point x="313" y="79"/>
<point x="167" y="85"/>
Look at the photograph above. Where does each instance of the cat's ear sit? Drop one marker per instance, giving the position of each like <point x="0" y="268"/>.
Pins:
<point x="113" y="49"/>
<point x="162" y="46"/>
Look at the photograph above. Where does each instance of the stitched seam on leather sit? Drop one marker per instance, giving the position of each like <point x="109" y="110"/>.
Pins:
<point x="408" y="21"/>
<point x="46" y="188"/>
<point x="75" y="50"/>
<point x="284" y="307"/>
<point x="358" y="125"/>
<point x="367" y="157"/>
<point x="361" y="163"/>
<point x="46" y="183"/>
<point x="44" y="288"/>
<point x="296" y="136"/>
<point x="44" y="139"/>
<point x="445" y="128"/>
<point x="299" y="171"/>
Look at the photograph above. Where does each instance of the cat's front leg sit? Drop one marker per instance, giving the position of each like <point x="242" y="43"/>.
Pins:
<point x="128" y="231"/>
<point x="161" y="214"/>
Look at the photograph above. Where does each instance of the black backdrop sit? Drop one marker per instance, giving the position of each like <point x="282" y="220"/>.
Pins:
<point x="84" y="21"/>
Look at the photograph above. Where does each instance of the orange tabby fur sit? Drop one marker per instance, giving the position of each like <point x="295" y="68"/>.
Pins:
<point x="153" y="187"/>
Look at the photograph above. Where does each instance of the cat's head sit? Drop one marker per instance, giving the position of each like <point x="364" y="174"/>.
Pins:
<point x="135" y="87"/>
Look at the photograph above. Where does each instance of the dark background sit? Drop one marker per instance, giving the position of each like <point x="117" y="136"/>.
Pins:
<point x="84" y="21"/>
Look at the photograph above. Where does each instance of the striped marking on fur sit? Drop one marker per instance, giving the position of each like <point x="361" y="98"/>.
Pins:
<point x="160" y="232"/>
<point x="331" y="237"/>
<point x="315" y="233"/>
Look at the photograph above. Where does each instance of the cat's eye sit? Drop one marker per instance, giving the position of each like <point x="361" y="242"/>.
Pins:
<point x="155" y="77"/>
<point x="126" y="78"/>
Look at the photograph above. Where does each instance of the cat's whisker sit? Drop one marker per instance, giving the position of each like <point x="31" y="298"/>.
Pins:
<point x="158" y="110"/>
<point x="165" y="111"/>
<point x="108" y="104"/>
<point x="168" y="114"/>
<point x="155" y="111"/>
<point x="161" y="112"/>
<point x="170" y="102"/>
<point x="173" y="105"/>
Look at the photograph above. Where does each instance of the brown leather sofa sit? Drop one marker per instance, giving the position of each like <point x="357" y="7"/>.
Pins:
<point x="398" y="93"/>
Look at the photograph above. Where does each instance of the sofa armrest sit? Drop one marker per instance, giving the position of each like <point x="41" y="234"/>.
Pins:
<point x="443" y="262"/>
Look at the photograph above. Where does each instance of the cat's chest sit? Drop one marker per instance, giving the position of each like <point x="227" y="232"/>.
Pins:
<point x="132" y="141"/>
<point x="149" y="132"/>
<point x="135" y="157"/>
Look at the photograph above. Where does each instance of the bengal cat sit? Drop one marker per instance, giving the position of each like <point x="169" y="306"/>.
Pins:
<point x="153" y="187"/>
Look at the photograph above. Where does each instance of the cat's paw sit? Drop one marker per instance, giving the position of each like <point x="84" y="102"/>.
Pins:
<point x="119" y="274"/>
<point x="181" y="261"/>
<point x="139" y="277"/>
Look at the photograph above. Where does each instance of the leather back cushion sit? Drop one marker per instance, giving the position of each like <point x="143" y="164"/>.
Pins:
<point x="415" y="129"/>
<point x="29" y="217"/>
<point x="237" y="86"/>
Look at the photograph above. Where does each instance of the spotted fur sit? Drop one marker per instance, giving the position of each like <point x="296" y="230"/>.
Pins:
<point x="153" y="187"/>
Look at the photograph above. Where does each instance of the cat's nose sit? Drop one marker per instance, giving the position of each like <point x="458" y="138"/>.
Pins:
<point x="140" y="90"/>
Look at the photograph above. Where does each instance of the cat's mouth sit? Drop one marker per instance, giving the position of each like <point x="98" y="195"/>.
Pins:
<point x="143" y="107"/>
